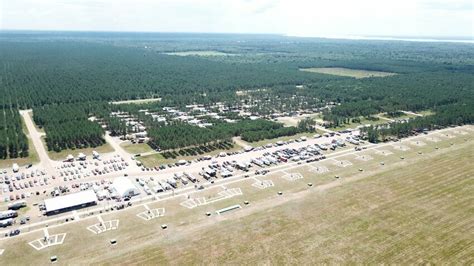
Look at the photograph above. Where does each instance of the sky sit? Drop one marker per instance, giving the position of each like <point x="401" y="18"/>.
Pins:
<point x="308" y="18"/>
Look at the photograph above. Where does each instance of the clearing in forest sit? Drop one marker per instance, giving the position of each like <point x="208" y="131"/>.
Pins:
<point x="137" y="101"/>
<point x="347" y="72"/>
<point x="199" y="53"/>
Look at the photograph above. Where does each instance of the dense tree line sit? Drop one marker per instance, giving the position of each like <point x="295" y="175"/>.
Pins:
<point x="39" y="73"/>
<point x="179" y="135"/>
<point x="253" y="136"/>
<point x="458" y="114"/>
<point x="67" y="126"/>
<point x="414" y="92"/>
<point x="13" y="142"/>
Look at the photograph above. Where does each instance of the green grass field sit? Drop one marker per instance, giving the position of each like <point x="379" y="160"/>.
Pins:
<point x="135" y="148"/>
<point x="410" y="211"/>
<point x="347" y="72"/>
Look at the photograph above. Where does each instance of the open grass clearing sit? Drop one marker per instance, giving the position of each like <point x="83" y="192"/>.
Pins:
<point x="201" y="53"/>
<point x="293" y="120"/>
<point x="135" y="148"/>
<point x="137" y="101"/>
<point x="401" y="117"/>
<point x="426" y="112"/>
<point x="348" y="72"/>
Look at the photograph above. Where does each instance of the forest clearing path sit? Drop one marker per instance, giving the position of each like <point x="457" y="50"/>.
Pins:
<point x="35" y="136"/>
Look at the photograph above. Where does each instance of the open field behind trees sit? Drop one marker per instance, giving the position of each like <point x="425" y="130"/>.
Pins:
<point x="201" y="53"/>
<point x="138" y="101"/>
<point x="135" y="148"/>
<point x="406" y="212"/>
<point x="347" y="72"/>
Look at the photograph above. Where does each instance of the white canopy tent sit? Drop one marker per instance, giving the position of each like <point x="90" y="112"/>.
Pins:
<point x="122" y="187"/>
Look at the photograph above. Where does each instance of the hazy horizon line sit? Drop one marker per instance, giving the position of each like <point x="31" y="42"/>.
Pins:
<point x="439" y="38"/>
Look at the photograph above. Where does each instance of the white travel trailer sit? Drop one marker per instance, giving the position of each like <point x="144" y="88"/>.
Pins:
<point x="8" y="214"/>
<point x="6" y="222"/>
<point x="17" y="205"/>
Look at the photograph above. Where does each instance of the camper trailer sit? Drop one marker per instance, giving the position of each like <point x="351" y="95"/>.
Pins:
<point x="6" y="222"/>
<point x="172" y="182"/>
<point x="8" y="214"/>
<point x="17" y="205"/>
<point x="210" y="172"/>
<point x="191" y="178"/>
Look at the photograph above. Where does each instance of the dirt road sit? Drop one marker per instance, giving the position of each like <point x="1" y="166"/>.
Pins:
<point x="35" y="136"/>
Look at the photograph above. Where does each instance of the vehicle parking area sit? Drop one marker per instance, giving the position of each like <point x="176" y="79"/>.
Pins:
<point x="24" y="183"/>
<point x="188" y="202"/>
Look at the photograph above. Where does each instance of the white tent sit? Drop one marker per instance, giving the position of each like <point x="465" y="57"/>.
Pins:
<point x="122" y="187"/>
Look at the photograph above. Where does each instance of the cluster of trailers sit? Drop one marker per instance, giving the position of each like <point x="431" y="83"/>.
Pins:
<point x="168" y="184"/>
<point x="7" y="217"/>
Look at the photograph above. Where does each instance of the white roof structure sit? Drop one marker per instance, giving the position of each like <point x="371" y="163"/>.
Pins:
<point x="70" y="201"/>
<point x="123" y="187"/>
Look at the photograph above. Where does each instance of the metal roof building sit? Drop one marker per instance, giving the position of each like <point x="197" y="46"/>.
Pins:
<point x="71" y="201"/>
